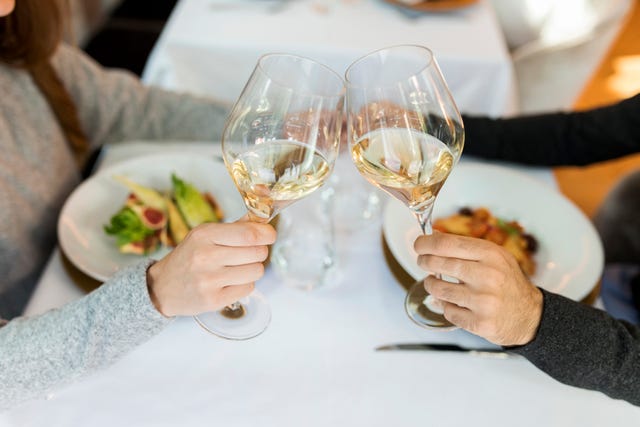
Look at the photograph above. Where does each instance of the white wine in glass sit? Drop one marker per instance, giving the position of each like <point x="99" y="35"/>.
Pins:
<point x="279" y="144"/>
<point x="406" y="135"/>
<point x="413" y="171"/>
<point x="276" y="174"/>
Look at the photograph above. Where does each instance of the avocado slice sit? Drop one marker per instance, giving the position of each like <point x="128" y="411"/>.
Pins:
<point x="192" y="205"/>
<point x="177" y="227"/>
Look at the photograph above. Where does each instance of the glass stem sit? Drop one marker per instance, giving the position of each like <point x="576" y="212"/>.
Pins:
<point x="424" y="219"/>
<point x="236" y="307"/>
<point x="255" y="218"/>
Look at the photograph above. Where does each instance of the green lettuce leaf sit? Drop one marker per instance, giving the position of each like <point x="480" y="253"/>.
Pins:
<point x="127" y="227"/>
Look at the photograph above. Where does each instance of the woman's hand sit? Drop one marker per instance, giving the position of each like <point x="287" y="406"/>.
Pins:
<point x="215" y="265"/>
<point x="495" y="300"/>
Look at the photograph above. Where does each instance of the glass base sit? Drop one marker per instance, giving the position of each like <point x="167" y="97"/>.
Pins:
<point x="249" y="320"/>
<point x="422" y="312"/>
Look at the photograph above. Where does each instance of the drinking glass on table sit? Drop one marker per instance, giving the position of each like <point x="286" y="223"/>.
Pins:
<point x="305" y="255"/>
<point x="405" y="135"/>
<point x="357" y="204"/>
<point x="279" y="144"/>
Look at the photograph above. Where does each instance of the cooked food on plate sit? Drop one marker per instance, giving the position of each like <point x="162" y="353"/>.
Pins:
<point x="151" y="218"/>
<point x="480" y="222"/>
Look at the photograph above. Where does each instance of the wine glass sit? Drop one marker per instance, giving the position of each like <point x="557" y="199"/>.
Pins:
<point x="405" y="135"/>
<point x="279" y="144"/>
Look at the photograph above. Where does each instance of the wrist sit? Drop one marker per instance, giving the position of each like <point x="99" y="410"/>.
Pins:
<point x="534" y="316"/>
<point x="153" y="273"/>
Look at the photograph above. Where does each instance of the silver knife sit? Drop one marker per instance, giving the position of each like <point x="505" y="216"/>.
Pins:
<point x="487" y="352"/>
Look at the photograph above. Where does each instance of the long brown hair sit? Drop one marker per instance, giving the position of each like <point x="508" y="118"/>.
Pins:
<point x="28" y="38"/>
<point x="31" y="33"/>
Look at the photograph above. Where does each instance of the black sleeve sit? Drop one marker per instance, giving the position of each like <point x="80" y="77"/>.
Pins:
<point x="556" y="139"/>
<point x="585" y="347"/>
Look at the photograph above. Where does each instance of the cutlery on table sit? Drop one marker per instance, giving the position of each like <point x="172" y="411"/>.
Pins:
<point x="487" y="352"/>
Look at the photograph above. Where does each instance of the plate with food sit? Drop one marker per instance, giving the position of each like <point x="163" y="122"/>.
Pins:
<point x="143" y="207"/>
<point x="554" y="243"/>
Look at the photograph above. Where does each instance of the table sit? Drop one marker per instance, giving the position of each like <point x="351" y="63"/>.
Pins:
<point x="210" y="47"/>
<point x="314" y="366"/>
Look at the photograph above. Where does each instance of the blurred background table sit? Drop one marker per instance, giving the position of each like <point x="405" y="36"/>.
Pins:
<point x="211" y="46"/>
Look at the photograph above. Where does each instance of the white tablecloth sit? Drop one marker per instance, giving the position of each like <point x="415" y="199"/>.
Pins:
<point x="212" y="50"/>
<point x="315" y="364"/>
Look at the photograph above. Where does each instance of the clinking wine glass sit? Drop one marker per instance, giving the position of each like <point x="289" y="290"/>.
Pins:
<point x="279" y="144"/>
<point x="405" y="135"/>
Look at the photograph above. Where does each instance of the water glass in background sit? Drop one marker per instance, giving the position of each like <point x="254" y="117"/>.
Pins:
<point x="356" y="204"/>
<point x="304" y="255"/>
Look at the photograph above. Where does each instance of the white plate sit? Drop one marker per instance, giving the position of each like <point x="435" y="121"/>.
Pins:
<point x="91" y="205"/>
<point x="570" y="258"/>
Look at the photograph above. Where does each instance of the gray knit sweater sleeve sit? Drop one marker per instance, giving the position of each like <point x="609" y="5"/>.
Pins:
<point x="42" y="353"/>
<point x="585" y="347"/>
<point x="114" y="106"/>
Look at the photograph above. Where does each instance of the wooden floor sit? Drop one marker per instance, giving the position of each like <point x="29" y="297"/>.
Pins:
<point x="618" y="77"/>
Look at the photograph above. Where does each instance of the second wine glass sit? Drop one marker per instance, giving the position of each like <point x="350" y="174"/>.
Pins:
<point x="279" y="144"/>
<point x="405" y="135"/>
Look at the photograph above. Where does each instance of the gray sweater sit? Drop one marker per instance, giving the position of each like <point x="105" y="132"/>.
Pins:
<point x="37" y="173"/>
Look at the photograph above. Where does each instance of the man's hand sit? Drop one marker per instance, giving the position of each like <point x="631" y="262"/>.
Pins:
<point x="495" y="300"/>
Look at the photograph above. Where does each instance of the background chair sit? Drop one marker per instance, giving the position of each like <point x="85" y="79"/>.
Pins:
<point x="556" y="46"/>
